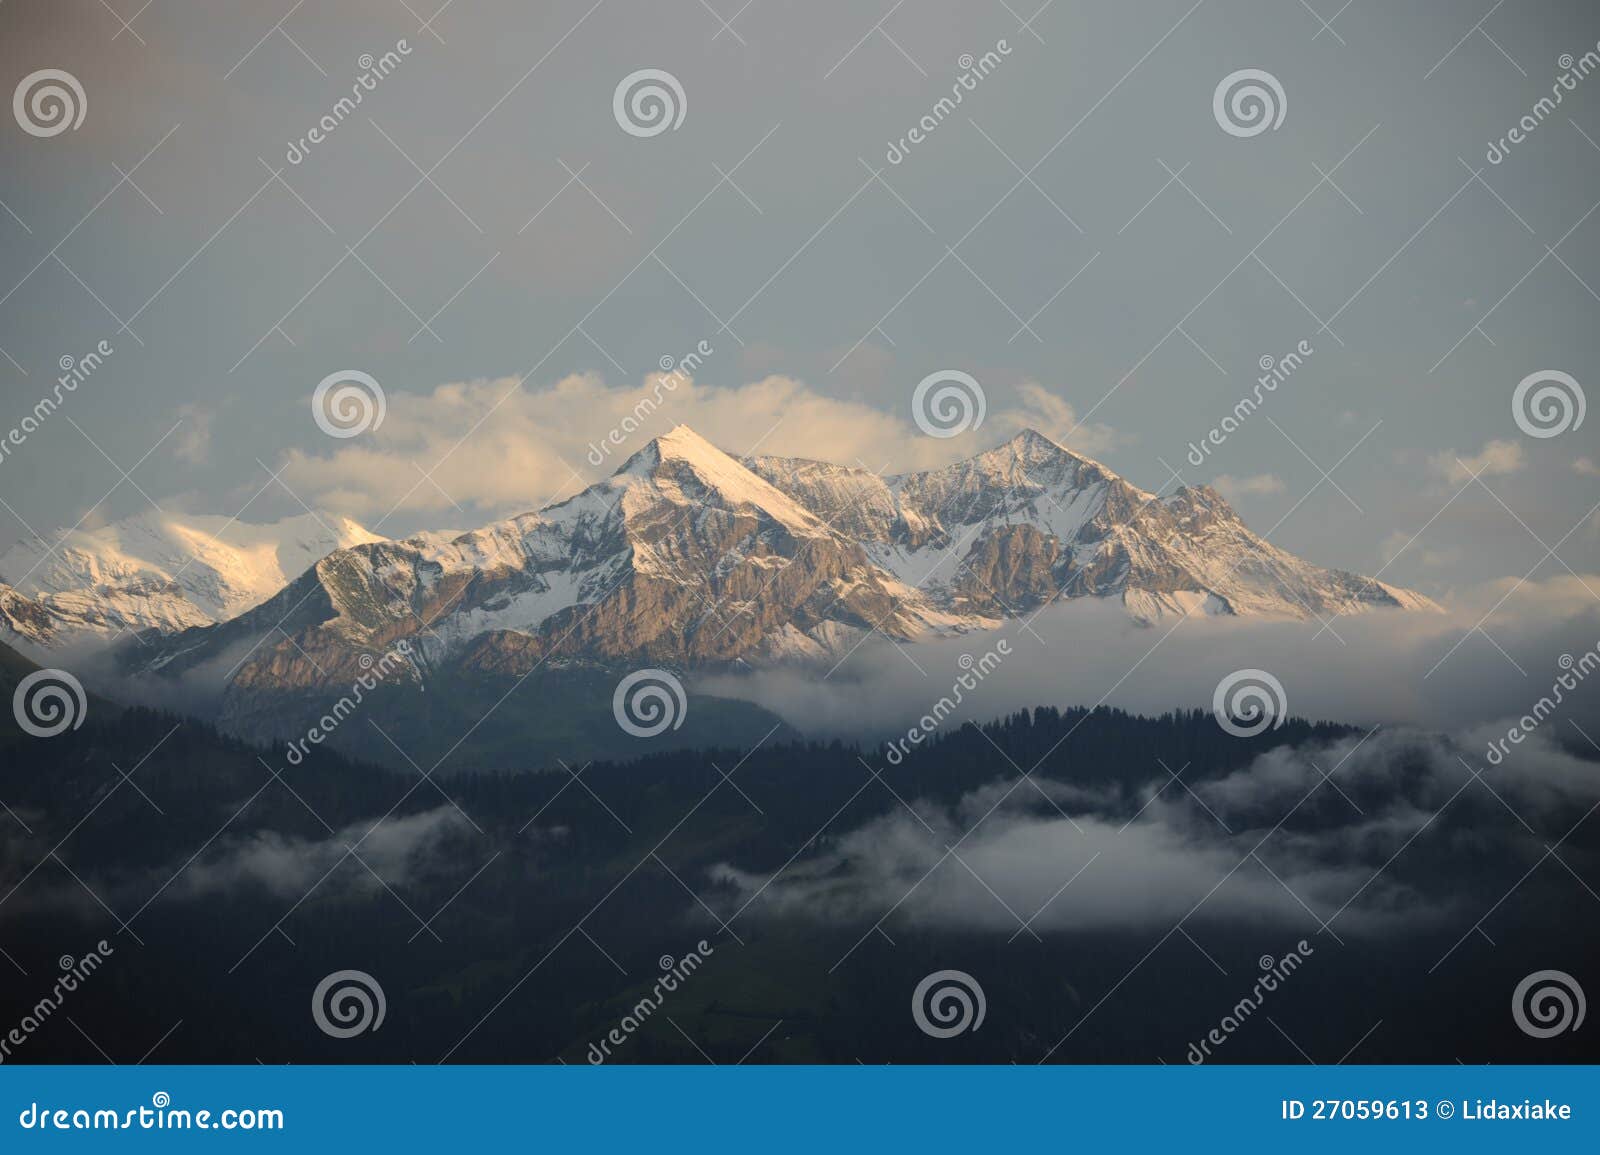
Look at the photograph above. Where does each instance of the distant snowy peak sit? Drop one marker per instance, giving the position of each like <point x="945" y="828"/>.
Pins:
<point x="156" y="571"/>
<point x="1030" y="521"/>
<point x="1028" y="479"/>
<point x="687" y="556"/>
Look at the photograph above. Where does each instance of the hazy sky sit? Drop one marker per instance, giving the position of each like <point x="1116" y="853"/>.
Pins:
<point x="549" y="243"/>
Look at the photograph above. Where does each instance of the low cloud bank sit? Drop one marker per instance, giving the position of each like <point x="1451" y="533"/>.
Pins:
<point x="1061" y="858"/>
<point x="401" y="852"/>
<point x="1435" y="691"/>
<point x="422" y="849"/>
<point x="1485" y="662"/>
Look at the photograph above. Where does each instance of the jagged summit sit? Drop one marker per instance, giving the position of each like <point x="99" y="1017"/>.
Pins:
<point x="1028" y="447"/>
<point x="688" y="556"/>
<point x="683" y="442"/>
<point x="684" y="468"/>
<point x="680" y="443"/>
<point x="1028" y="450"/>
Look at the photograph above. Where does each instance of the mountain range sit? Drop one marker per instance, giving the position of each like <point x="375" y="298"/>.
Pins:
<point x="686" y="557"/>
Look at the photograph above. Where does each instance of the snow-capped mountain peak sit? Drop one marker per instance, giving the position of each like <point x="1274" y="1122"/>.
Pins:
<point x="156" y="571"/>
<point x="685" y="469"/>
<point x="690" y="556"/>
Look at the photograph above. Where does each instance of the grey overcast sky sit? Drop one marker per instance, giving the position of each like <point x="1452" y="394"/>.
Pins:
<point x="1079" y="234"/>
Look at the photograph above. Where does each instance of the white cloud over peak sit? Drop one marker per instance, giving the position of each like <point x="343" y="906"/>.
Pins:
<point x="482" y="448"/>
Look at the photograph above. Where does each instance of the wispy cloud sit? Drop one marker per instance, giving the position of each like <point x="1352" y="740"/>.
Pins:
<point x="1497" y="458"/>
<point x="1149" y="857"/>
<point x="429" y="454"/>
<point x="1259" y="485"/>
<point x="1478" y="660"/>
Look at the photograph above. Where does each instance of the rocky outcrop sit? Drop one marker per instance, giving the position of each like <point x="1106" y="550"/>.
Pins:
<point x="687" y="557"/>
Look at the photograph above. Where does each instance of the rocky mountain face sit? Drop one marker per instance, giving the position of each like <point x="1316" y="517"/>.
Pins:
<point x="154" y="572"/>
<point x="1027" y="522"/>
<point x="684" y="557"/>
<point x="688" y="557"/>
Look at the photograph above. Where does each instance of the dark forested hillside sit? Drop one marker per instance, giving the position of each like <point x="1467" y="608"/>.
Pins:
<point x="521" y="916"/>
